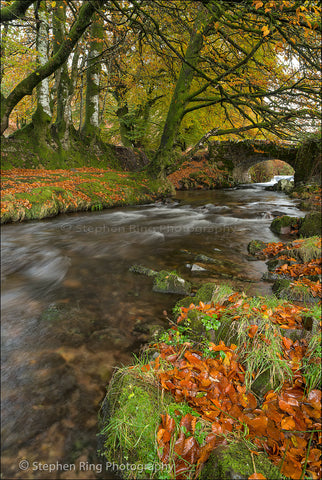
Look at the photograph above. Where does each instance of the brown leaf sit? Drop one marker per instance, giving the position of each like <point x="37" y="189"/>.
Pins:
<point x="252" y="330"/>
<point x="288" y="423"/>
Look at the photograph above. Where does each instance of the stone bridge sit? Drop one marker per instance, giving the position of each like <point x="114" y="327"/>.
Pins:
<point x="239" y="156"/>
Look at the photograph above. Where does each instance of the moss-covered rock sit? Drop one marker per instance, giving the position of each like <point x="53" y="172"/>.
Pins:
<point x="280" y="286"/>
<point x="170" y="282"/>
<point x="263" y="383"/>
<point x="204" y="258"/>
<point x="309" y="250"/>
<point x="207" y="293"/>
<point x="311" y="225"/>
<point x="143" y="270"/>
<point x="255" y="246"/>
<point x="197" y="321"/>
<point x="283" y="225"/>
<point x="274" y="263"/>
<point x="235" y="463"/>
<point x="284" y="185"/>
<point x="285" y="289"/>
<point x="129" y="417"/>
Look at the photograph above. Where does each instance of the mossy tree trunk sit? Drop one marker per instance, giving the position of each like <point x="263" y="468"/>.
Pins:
<point x="3" y="42"/>
<point x="122" y="112"/>
<point x="41" y="119"/>
<point x="17" y="9"/>
<point x="133" y="124"/>
<point x="62" y="80"/>
<point x="92" y="112"/>
<point x="162" y="160"/>
<point x="26" y="86"/>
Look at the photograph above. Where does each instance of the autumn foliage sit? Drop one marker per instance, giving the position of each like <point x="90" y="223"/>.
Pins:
<point x="285" y="423"/>
<point x="23" y="190"/>
<point x="216" y="381"/>
<point x="294" y="268"/>
<point x="196" y="174"/>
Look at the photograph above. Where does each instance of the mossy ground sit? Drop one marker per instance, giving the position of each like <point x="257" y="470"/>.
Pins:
<point x="35" y="194"/>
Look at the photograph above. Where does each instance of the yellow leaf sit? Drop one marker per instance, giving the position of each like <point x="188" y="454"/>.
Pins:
<point x="53" y="4"/>
<point x="258" y="5"/>
<point x="265" y="31"/>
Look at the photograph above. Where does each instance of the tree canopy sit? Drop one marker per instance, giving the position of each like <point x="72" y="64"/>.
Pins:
<point x="162" y="75"/>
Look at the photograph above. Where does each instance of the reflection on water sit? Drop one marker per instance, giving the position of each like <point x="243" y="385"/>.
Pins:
<point x="72" y="311"/>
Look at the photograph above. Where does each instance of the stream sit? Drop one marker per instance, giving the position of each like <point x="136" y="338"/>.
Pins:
<point x="72" y="312"/>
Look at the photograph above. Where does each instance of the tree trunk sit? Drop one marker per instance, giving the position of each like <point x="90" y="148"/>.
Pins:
<point x="3" y="40"/>
<point x="65" y="83"/>
<point x="42" y="117"/>
<point x="16" y="10"/>
<point x="26" y="86"/>
<point x="162" y="159"/>
<point x="61" y="75"/>
<point x="91" y="125"/>
<point x="122" y="112"/>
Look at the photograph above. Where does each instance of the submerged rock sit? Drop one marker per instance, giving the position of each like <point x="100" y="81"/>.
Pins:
<point x="198" y="268"/>
<point x="143" y="270"/>
<point x="204" y="259"/>
<point x="164" y="281"/>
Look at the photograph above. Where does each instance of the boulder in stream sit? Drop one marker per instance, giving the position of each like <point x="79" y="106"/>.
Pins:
<point x="164" y="281"/>
<point x="284" y="185"/>
<point x="256" y="246"/>
<point x="284" y="224"/>
<point x="170" y="282"/>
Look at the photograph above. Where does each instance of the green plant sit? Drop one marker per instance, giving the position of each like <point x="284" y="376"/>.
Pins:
<point x="210" y="322"/>
<point x="176" y="336"/>
<point x="97" y="206"/>
<point x="200" y="432"/>
<point x="311" y="363"/>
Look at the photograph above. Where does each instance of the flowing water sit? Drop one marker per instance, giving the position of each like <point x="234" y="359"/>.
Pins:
<point x="71" y="310"/>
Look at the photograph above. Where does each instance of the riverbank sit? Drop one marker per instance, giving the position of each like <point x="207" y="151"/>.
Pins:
<point x="231" y="389"/>
<point x="34" y="194"/>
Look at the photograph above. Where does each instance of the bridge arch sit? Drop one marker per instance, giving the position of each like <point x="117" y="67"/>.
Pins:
<point x="240" y="156"/>
<point x="266" y="170"/>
